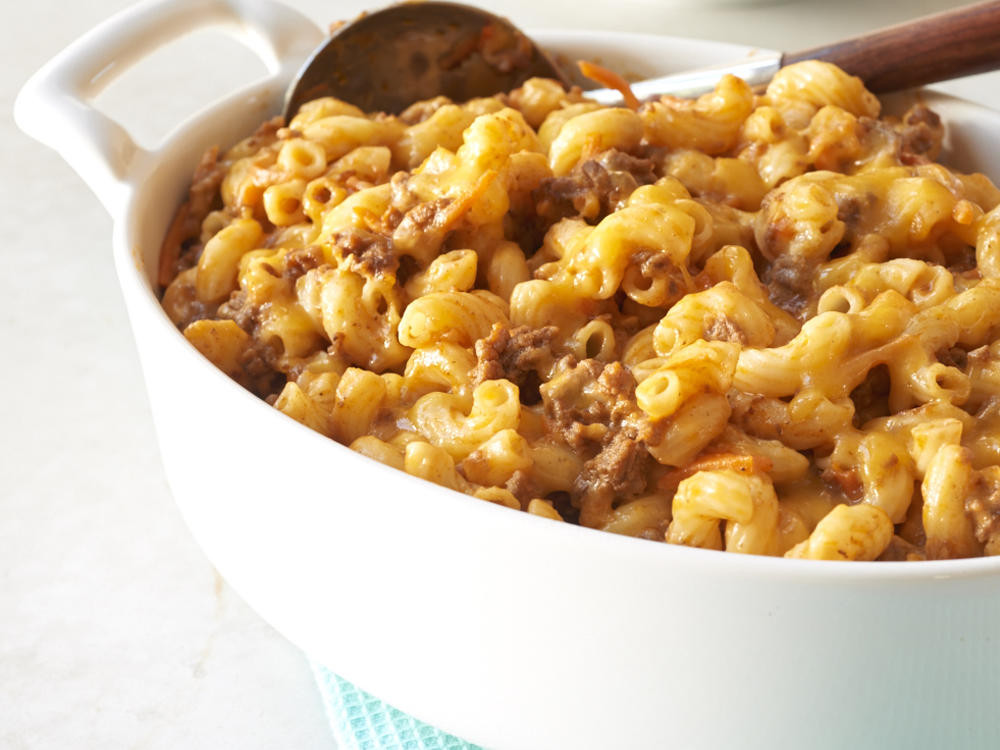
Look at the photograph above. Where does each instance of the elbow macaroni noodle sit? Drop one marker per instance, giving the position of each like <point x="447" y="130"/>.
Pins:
<point x="765" y="322"/>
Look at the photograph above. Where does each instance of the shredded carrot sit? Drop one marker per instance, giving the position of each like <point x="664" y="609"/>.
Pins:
<point x="467" y="199"/>
<point x="744" y="463"/>
<point x="609" y="79"/>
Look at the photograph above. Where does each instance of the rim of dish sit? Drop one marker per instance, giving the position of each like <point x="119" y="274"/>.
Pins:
<point x="132" y="273"/>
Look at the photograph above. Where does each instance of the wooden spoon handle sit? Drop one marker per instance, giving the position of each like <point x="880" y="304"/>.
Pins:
<point x="933" y="48"/>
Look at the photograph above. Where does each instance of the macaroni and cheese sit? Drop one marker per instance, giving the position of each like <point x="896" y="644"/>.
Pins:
<point x="766" y="323"/>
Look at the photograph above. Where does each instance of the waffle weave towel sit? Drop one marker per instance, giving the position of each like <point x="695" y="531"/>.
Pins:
<point x="362" y="722"/>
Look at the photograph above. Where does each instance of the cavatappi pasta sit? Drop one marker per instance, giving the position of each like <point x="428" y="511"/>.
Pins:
<point x="766" y="323"/>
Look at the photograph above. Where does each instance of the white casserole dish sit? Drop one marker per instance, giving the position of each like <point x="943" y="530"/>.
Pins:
<point x="504" y="628"/>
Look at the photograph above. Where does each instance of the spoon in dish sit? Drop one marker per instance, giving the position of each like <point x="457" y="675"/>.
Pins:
<point x="386" y="60"/>
<point x="391" y="58"/>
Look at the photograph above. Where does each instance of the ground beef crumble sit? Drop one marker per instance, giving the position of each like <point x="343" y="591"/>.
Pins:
<point x="724" y="328"/>
<point x="239" y="309"/>
<point x="522" y="486"/>
<point x="847" y="479"/>
<point x="372" y="252"/>
<point x="301" y="260"/>
<point x="590" y="396"/>
<point x="983" y="507"/>
<point x="789" y="283"/>
<point x="619" y="467"/>
<point x="921" y="134"/>
<point x="518" y="354"/>
<point x="595" y="187"/>
<point x="591" y="405"/>
<point x="259" y="367"/>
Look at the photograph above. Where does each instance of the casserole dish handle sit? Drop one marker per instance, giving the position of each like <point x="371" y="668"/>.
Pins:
<point x="55" y="107"/>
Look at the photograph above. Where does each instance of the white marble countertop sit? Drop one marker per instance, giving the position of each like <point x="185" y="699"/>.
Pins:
<point x="114" y="629"/>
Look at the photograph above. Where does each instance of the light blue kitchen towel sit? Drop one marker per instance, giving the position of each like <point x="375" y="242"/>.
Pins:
<point x="362" y="722"/>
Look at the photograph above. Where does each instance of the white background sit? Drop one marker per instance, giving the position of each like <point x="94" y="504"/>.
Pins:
<point x="114" y="629"/>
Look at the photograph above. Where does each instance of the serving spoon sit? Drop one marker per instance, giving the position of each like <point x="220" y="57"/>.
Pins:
<point x="391" y="58"/>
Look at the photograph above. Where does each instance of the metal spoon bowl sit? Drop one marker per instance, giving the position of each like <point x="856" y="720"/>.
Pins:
<point x="386" y="60"/>
<point x="391" y="58"/>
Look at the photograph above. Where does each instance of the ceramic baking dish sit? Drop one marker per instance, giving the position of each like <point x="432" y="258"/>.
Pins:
<point x="504" y="628"/>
